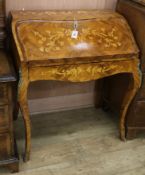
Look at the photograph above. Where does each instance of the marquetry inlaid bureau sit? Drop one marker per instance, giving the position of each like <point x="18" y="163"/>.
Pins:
<point x="134" y="12"/>
<point x="8" y="152"/>
<point x="74" y="46"/>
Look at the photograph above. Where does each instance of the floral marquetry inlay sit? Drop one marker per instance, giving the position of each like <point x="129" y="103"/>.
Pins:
<point x="46" y="39"/>
<point x="80" y="72"/>
<point x="55" y="41"/>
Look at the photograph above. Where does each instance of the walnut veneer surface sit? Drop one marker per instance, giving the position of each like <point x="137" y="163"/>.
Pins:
<point x="46" y="51"/>
<point x="100" y="34"/>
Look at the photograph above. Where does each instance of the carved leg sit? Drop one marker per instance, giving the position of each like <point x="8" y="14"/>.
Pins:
<point x="23" y="102"/>
<point x="135" y="84"/>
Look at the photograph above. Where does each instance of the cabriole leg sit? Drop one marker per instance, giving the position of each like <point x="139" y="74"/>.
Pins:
<point x="134" y="86"/>
<point x="23" y="103"/>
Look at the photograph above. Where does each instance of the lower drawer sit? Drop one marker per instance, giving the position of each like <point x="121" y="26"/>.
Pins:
<point x="3" y="94"/>
<point x="4" y="117"/>
<point x="5" y="146"/>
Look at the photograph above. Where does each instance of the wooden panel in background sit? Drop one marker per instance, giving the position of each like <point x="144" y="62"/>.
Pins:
<point x="43" y="90"/>
<point x="56" y="88"/>
<point x="60" y="4"/>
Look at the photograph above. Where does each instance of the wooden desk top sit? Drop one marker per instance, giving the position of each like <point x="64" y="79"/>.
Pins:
<point x="46" y="35"/>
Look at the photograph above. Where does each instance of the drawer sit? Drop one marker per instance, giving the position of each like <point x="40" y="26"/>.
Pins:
<point x="3" y="94"/>
<point x="4" y="118"/>
<point x="5" y="146"/>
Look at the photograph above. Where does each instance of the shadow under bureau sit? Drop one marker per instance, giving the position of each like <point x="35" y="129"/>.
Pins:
<point x="75" y="46"/>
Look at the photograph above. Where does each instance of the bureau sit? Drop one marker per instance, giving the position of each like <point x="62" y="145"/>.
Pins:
<point x="75" y="46"/>
<point x="134" y="12"/>
<point x="8" y="151"/>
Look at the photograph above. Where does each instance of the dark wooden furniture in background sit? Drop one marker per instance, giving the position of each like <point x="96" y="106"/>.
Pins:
<point x="8" y="152"/>
<point x="134" y="12"/>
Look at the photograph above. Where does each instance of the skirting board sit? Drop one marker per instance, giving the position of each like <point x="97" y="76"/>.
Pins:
<point x="61" y="103"/>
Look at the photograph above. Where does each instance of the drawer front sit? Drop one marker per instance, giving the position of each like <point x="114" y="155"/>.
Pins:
<point x="3" y="94"/>
<point x="5" y="146"/>
<point x="4" y="118"/>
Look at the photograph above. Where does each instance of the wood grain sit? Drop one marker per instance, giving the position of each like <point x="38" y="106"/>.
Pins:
<point x="95" y="38"/>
